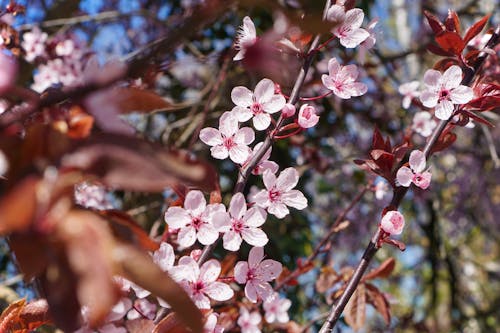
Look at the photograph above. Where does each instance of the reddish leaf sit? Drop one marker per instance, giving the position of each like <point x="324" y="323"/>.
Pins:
<point x="383" y="159"/>
<point x="443" y="64"/>
<point x="377" y="140"/>
<point x="485" y="103"/>
<point x="434" y="23"/>
<point x="137" y="165"/>
<point x="439" y="51"/>
<point x="446" y="139"/>
<point x="382" y="271"/>
<point x="379" y="301"/>
<point x="18" y="206"/>
<point x="139" y="268"/>
<point x="30" y="251"/>
<point x="450" y="42"/>
<point x="137" y="100"/>
<point x="477" y="118"/>
<point x="475" y="29"/>
<point x="452" y="22"/>
<point x="355" y="310"/>
<point x="125" y="228"/>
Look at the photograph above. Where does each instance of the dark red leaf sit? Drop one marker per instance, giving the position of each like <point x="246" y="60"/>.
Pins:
<point x="477" y="118"/>
<point x="450" y="42"/>
<point x="439" y="51"/>
<point x="452" y="22"/>
<point x="475" y="29"/>
<point x="485" y="103"/>
<point x="18" y="206"/>
<point x="434" y="22"/>
<point x="382" y="271"/>
<point x="377" y="140"/>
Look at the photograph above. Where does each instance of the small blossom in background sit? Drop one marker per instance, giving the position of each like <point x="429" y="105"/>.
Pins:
<point x="264" y="163"/>
<point x="92" y="196"/>
<point x="256" y="274"/>
<point x="409" y="91"/>
<point x="393" y="222"/>
<point x="307" y="116"/>
<point x="444" y="90"/>
<point x="349" y="29"/>
<point x="34" y="44"/>
<point x="245" y="38"/>
<point x="259" y="104"/>
<point x="201" y="282"/>
<point x="369" y="42"/>
<point x="341" y="80"/>
<point x="194" y="221"/>
<point x="381" y="188"/>
<point x="228" y="140"/>
<point x="276" y="309"/>
<point x="8" y="72"/>
<point x="249" y="322"/>
<point x="415" y="173"/>
<point x="240" y="224"/>
<point x="279" y="193"/>
<point x="423" y="123"/>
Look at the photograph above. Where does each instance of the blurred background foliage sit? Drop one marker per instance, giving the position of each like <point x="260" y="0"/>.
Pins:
<point x="448" y="279"/>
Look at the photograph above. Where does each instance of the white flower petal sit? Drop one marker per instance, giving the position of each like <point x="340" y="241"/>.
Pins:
<point x="210" y="136"/>
<point x="404" y="176"/>
<point x="219" y="152"/>
<point x="461" y="95"/>
<point x="444" y="110"/>
<point x="287" y="179"/>
<point x="255" y="236"/>
<point x="242" y="96"/>
<point x="417" y="161"/>
<point x="264" y="90"/>
<point x="239" y="154"/>
<point x="261" y="121"/>
<point x="295" y="199"/>
<point x="219" y="291"/>
<point x="452" y="77"/>
<point x="232" y="241"/>
<point x="177" y="217"/>
<point x="244" y="136"/>
<point x="238" y="206"/>
<point x="195" y="202"/>
<point x="210" y="270"/>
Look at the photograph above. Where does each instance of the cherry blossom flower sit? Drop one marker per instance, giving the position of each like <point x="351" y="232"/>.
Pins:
<point x="34" y="44"/>
<point x="194" y="220"/>
<point x="211" y="325"/>
<point x="288" y="110"/>
<point x="340" y="80"/>
<point x="264" y="162"/>
<point x="8" y="70"/>
<point x="276" y="309"/>
<point x="142" y="309"/>
<point x="444" y="90"/>
<point x="369" y="42"/>
<point x="256" y="273"/>
<point x="307" y="116"/>
<point x="349" y="29"/>
<point x="279" y="194"/>
<point x="92" y="196"/>
<point x="393" y="222"/>
<point x="258" y="104"/>
<point x="228" y="140"/>
<point x="381" y="188"/>
<point x="423" y="123"/>
<point x="245" y="38"/>
<point x="409" y="91"/>
<point x="201" y="282"/>
<point x="415" y="174"/>
<point x="249" y="322"/>
<point x="240" y="224"/>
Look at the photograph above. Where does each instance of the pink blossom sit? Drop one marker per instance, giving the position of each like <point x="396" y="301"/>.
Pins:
<point x="279" y="193"/>
<point x="241" y="224"/>
<point x="307" y="116"/>
<point x="228" y="140"/>
<point x="369" y="42"/>
<point x="8" y="72"/>
<point x="194" y="221"/>
<point x="119" y="310"/>
<point x="415" y="174"/>
<point x="201" y="282"/>
<point x="142" y="309"/>
<point x="288" y="110"/>
<point x="349" y="29"/>
<point x="442" y="91"/>
<point x="92" y="196"/>
<point x="409" y="91"/>
<point x="249" y="322"/>
<point x="393" y="222"/>
<point x="34" y="44"/>
<point x="211" y="325"/>
<point x="423" y="123"/>
<point x="276" y="309"/>
<point x="258" y="104"/>
<point x="245" y="37"/>
<point x="340" y="80"/>
<point x="381" y="189"/>
<point x="264" y="162"/>
<point x="256" y="273"/>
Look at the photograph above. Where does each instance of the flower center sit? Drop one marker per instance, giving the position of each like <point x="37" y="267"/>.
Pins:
<point x="229" y="143"/>
<point x="198" y="287"/>
<point x="196" y="222"/>
<point x="274" y="195"/>
<point x="238" y="225"/>
<point x="251" y="275"/>
<point x="256" y="108"/>
<point x="444" y="94"/>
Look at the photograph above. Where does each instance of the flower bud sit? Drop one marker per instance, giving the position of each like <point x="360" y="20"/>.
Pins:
<point x="393" y="222"/>
<point x="288" y="110"/>
<point x="307" y="116"/>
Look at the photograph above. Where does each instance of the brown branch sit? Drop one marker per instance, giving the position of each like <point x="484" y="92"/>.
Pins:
<point x="398" y="196"/>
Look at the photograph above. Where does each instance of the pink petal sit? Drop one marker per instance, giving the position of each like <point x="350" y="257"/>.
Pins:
<point x="201" y="301"/>
<point x="264" y="90"/>
<point x="219" y="291"/>
<point x="417" y="161"/>
<point x="228" y="124"/>
<point x="275" y="104"/>
<point x="429" y="98"/>
<point x="333" y="67"/>
<point x="354" y="18"/>
<point x="354" y="38"/>
<point x="255" y="256"/>
<point x="195" y="202"/>
<point x="207" y="234"/>
<point x="432" y="78"/>
<point x="295" y="199"/>
<point x="263" y="289"/>
<point x="452" y="77"/>
<point x="269" y="179"/>
<point x="422" y="180"/>
<point x="241" y="272"/>
<point x="444" y="110"/>
<point x="164" y="256"/>
<point x="219" y="152"/>
<point x="186" y="236"/>
<point x="232" y="241"/>
<point x="239" y="154"/>
<point x="242" y="114"/>
<point x="255" y="217"/>
<point x="349" y="72"/>
<point x="255" y="236"/>
<point x="238" y="206"/>
<point x="404" y="176"/>
<point x="335" y="13"/>
<point x="328" y="82"/>
<point x="393" y="222"/>
<point x="251" y="292"/>
<point x="177" y="217"/>
<point x="249" y="27"/>
<point x="242" y="96"/>
<point x="269" y="269"/>
<point x="210" y="136"/>
<point x="221" y="221"/>
<point x="261" y="199"/>
<point x="356" y="89"/>
<point x="287" y="179"/>
<point x="244" y="136"/>
<point x="461" y="95"/>
<point x="278" y="209"/>
<point x="262" y="121"/>
<point x="209" y="271"/>
<point x="240" y="55"/>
